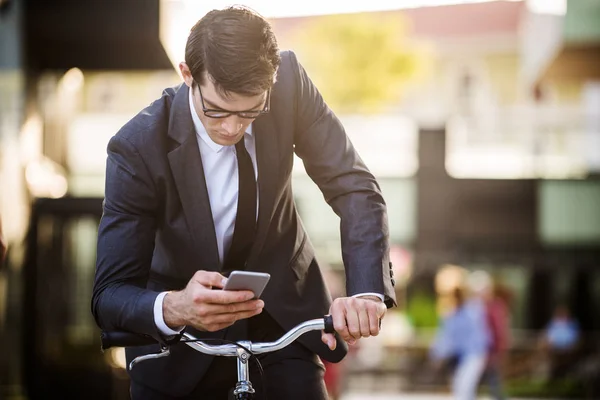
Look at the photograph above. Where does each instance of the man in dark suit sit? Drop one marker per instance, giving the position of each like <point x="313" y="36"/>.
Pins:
<point x="199" y="184"/>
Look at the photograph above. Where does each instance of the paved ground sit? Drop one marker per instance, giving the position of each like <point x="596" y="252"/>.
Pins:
<point x="407" y="396"/>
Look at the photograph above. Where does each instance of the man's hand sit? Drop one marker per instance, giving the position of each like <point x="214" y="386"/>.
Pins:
<point x="354" y="317"/>
<point x="208" y="310"/>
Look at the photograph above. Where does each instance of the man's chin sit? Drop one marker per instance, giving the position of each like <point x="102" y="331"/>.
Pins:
<point x="225" y="141"/>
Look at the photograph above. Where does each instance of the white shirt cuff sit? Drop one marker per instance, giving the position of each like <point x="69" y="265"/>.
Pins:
<point x="159" y="319"/>
<point x="370" y="294"/>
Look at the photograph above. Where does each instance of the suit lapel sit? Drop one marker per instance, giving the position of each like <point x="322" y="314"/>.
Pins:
<point x="188" y="174"/>
<point x="267" y="158"/>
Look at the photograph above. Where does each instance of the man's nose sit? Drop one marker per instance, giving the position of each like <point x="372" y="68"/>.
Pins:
<point x="232" y="124"/>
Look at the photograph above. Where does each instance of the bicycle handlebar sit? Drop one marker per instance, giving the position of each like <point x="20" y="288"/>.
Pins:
<point x="124" y="339"/>
<point x="127" y="339"/>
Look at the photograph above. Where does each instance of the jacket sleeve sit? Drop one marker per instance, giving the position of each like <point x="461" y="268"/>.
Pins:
<point x="348" y="187"/>
<point x="120" y="300"/>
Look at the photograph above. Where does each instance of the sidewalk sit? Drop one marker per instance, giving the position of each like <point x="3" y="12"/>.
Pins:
<point x="407" y="396"/>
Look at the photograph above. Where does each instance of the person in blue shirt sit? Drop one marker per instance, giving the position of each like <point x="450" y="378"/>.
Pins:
<point x="563" y="332"/>
<point x="464" y="336"/>
<point x="561" y="339"/>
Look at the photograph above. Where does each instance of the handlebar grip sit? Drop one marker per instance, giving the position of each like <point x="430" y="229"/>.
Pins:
<point x="329" y="324"/>
<point x="124" y="339"/>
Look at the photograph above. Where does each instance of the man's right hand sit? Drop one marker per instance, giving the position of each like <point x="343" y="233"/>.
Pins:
<point x="205" y="309"/>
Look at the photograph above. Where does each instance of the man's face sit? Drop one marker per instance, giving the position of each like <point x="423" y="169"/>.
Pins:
<point x="224" y="131"/>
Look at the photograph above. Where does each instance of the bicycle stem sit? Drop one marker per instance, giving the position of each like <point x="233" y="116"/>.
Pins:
<point x="243" y="357"/>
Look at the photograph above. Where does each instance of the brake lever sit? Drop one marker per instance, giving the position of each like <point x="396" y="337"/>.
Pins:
<point x="164" y="352"/>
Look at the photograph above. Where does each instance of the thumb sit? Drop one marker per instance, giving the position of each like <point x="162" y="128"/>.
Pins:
<point x="329" y="340"/>
<point x="209" y="279"/>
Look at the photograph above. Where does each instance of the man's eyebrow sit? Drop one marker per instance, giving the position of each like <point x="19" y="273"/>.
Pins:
<point x="210" y="104"/>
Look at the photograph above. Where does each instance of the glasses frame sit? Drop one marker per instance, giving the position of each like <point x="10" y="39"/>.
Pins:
<point x="247" y="114"/>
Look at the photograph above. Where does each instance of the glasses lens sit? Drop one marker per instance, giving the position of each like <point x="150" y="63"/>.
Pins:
<point x="250" y="114"/>
<point x="216" y="114"/>
<point x="225" y="114"/>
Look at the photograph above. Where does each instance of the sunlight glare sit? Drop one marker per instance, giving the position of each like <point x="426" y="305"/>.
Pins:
<point x="178" y="16"/>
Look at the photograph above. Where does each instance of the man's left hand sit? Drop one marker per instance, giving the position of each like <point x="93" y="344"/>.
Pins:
<point x="354" y="317"/>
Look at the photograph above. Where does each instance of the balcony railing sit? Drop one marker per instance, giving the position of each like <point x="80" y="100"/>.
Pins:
<point x="524" y="142"/>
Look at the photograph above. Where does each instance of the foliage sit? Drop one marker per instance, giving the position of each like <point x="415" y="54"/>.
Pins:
<point x="359" y="62"/>
<point x="566" y="388"/>
<point x="421" y="310"/>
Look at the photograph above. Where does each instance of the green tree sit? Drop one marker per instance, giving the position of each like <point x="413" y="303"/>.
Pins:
<point x="360" y="62"/>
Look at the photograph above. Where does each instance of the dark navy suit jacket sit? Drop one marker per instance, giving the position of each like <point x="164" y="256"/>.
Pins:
<point x="157" y="227"/>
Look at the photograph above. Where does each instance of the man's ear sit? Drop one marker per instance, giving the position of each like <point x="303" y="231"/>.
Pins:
<point x="186" y="74"/>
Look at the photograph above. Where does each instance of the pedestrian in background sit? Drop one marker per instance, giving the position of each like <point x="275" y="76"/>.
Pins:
<point x="463" y="336"/>
<point x="497" y="302"/>
<point x="560" y="342"/>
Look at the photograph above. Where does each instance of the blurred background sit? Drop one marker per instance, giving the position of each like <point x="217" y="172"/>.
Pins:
<point x="481" y="120"/>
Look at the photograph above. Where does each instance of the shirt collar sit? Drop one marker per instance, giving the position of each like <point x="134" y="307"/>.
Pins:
<point x="201" y="131"/>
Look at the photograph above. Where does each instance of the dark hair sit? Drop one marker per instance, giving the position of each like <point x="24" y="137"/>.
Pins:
<point x="237" y="48"/>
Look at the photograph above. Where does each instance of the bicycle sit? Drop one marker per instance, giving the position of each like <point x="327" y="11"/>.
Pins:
<point x="243" y="350"/>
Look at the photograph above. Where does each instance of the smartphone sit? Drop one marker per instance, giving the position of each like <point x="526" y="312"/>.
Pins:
<point x="247" y="280"/>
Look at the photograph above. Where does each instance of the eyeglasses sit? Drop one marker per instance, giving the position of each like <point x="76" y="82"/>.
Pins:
<point x="250" y="114"/>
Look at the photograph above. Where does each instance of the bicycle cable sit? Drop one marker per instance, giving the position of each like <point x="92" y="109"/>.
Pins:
<point x="252" y="356"/>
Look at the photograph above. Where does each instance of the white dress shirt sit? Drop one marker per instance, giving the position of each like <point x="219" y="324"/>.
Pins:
<point x="221" y="175"/>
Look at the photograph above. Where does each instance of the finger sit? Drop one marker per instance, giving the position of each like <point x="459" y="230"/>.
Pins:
<point x="329" y="340"/>
<point x="232" y="308"/>
<point x="353" y="321"/>
<point x="227" y="296"/>
<point x="209" y="279"/>
<point x="339" y="321"/>
<point x="374" y="323"/>
<point x="364" y="322"/>
<point x="376" y="312"/>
